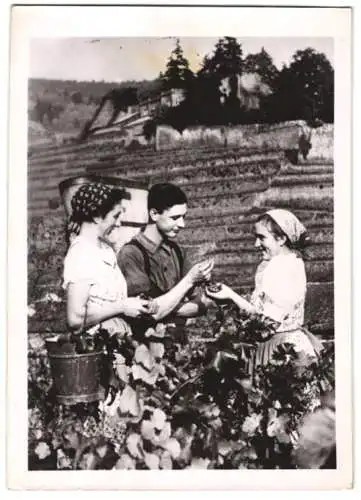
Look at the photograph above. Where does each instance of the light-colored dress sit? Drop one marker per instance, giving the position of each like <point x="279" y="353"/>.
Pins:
<point x="97" y="266"/>
<point x="280" y="291"/>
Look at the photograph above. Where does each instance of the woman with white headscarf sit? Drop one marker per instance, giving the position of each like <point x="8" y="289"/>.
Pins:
<point x="280" y="284"/>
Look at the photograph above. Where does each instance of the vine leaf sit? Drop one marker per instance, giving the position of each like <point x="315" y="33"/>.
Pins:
<point x="134" y="445"/>
<point x="159" y="331"/>
<point x="199" y="463"/>
<point x="158" y="419"/>
<point x="125" y="462"/>
<point x="88" y="461"/>
<point x="166" y="461"/>
<point x="144" y="357"/>
<point x="129" y="403"/>
<point x="157" y="350"/>
<point x="120" y="367"/>
<point x="156" y="430"/>
<point x="62" y="460"/>
<point x="173" y="447"/>
<point x="252" y="423"/>
<point x="277" y="428"/>
<point x="151" y="460"/>
<point x="42" y="450"/>
<point x="149" y="377"/>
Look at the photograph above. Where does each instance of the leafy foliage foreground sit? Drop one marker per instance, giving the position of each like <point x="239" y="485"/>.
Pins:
<point x="181" y="403"/>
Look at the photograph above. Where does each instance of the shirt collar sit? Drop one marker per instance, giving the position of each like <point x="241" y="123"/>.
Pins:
<point x="106" y="251"/>
<point x="150" y="246"/>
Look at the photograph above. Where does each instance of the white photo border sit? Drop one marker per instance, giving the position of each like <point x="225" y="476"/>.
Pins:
<point x="55" y="21"/>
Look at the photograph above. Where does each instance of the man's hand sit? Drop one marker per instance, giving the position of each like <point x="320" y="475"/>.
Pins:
<point x="206" y="301"/>
<point x="134" y="307"/>
<point x="152" y="307"/>
<point x="201" y="272"/>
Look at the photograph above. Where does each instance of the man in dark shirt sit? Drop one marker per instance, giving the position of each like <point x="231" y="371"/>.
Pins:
<point x="153" y="264"/>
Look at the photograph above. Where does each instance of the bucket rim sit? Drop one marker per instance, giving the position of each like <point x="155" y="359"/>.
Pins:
<point x="74" y="355"/>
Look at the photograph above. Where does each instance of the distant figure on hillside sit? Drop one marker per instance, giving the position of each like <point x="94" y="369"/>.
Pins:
<point x="120" y="100"/>
<point x="304" y="143"/>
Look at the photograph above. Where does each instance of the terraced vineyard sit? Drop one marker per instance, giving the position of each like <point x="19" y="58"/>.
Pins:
<point x="226" y="189"/>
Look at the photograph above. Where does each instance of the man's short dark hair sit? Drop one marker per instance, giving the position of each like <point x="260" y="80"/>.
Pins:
<point x="165" y="195"/>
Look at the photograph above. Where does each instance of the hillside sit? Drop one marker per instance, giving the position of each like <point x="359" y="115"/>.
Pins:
<point x="226" y="187"/>
<point x="72" y="102"/>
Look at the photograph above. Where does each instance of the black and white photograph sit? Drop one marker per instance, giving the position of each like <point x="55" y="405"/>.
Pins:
<point x="185" y="296"/>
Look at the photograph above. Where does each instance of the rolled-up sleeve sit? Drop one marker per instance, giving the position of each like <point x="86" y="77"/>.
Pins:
<point x="80" y="265"/>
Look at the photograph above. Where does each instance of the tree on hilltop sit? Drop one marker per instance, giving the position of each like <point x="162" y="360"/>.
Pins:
<point x="147" y="89"/>
<point x="226" y="59"/>
<point x="47" y="109"/>
<point x="305" y="88"/>
<point x="261" y="63"/>
<point x="178" y="73"/>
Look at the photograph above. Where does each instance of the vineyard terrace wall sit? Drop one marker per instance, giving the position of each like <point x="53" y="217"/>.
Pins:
<point x="287" y="136"/>
<point x="226" y="187"/>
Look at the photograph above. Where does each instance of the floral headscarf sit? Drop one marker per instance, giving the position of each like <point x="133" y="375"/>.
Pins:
<point x="88" y="199"/>
<point x="289" y="224"/>
<point x="87" y="203"/>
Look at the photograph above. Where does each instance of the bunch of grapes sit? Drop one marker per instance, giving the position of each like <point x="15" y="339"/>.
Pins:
<point x="214" y="287"/>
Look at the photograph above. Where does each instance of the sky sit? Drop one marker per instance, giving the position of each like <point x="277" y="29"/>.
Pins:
<point x="135" y="58"/>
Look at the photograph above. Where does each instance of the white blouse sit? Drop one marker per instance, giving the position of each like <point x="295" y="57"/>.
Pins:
<point x="280" y="290"/>
<point x="97" y="265"/>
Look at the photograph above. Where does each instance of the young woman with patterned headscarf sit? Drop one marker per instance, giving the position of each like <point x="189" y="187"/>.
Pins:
<point x="95" y="287"/>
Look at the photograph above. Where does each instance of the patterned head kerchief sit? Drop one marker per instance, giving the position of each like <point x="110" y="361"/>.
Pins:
<point x="88" y="199"/>
<point x="289" y="224"/>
